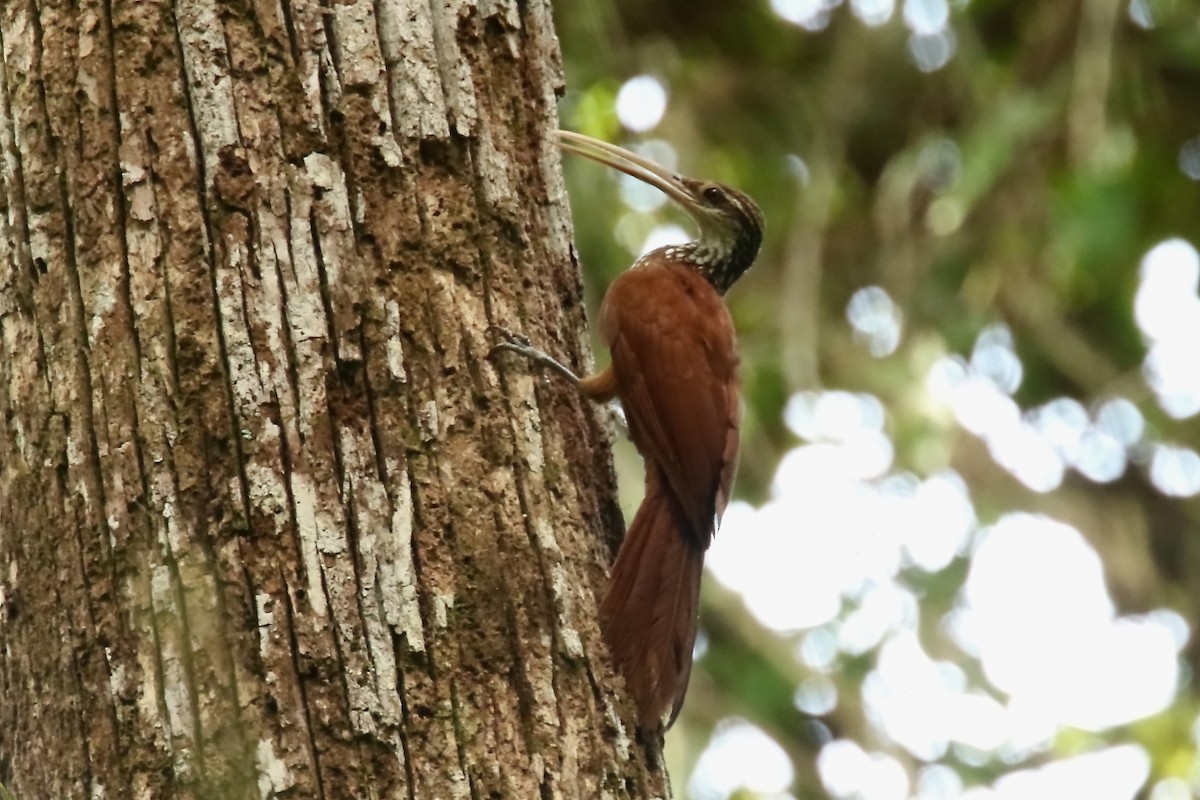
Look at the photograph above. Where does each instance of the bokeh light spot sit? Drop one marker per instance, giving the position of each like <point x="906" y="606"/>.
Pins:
<point x="819" y="648"/>
<point x="1062" y="423"/>
<point x="1141" y="14"/>
<point x="1167" y="309"/>
<point x="873" y="12"/>
<point x="1121" y="420"/>
<point x="940" y="164"/>
<point x="945" y="216"/>
<point x="797" y="167"/>
<point x="1189" y="158"/>
<point x="1100" y="457"/>
<point x="926" y="17"/>
<point x="816" y="695"/>
<point x="849" y="771"/>
<point x="932" y="519"/>
<point x="932" y="51"/>
<point x="812" y="15"/>
<point x="836" y="415"/>
<point x="1176" y="470"/>
<point x="875" y="319"/>
<point x="994" y="358"/>
<point x="740" y="756"/>
<point x="641" y="103"/>
<point x="938" y="782"/>
<point x="1059" y="648"/>
<point x="663" y="236"/>
<point x="1171" y="789"/>
<point x="1112" y="774"/>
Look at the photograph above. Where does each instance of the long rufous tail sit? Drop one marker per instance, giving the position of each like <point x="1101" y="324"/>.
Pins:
<point x="648" y="616"/>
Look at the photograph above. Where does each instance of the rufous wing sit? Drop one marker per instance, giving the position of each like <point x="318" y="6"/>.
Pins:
<point x="675" y="359"/>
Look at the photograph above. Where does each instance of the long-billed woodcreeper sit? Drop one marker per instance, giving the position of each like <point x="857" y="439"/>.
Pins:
<point x="675" y="370"/>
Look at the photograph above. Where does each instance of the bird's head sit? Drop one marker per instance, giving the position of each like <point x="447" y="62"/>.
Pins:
<point x="730" y="223"/>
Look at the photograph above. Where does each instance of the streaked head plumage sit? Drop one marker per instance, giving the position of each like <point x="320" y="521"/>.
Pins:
<point x="731" y="224"/>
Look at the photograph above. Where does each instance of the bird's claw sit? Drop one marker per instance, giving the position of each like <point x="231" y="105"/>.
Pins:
<point x="513" y="342"/>
<point x="516" y="343"/>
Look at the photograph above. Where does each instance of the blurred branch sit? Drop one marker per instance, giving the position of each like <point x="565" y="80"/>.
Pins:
<point x="1035" y="313"/>
<point x="800" y="295"/>
<point x="1088" y="124"/>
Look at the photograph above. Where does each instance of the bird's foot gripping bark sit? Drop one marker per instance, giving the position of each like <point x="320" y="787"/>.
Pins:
<point x="516" y="343"/>
<point x="597" y="387"/>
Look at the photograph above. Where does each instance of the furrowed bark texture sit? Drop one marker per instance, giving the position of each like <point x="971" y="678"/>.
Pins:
<point x="270" y="523"/>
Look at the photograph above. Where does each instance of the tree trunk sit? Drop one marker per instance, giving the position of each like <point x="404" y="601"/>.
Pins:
<point x="271" y="525"/>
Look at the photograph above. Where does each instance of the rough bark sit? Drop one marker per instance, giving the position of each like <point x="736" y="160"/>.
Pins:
<point x="270" y="523"/>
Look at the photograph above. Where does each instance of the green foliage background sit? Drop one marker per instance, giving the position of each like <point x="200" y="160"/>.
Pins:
<point x="1068" y="118"/>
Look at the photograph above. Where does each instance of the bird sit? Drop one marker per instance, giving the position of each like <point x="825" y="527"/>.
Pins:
<point x="675" y="370"/>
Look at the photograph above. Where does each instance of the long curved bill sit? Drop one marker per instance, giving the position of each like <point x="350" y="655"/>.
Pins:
<point x="630" y="163"/>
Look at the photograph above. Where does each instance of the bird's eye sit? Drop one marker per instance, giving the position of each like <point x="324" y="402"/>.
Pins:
<point x="713" y="194"/>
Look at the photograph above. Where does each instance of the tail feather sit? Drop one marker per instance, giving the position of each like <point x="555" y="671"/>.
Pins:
<point x="648" y="615"/>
